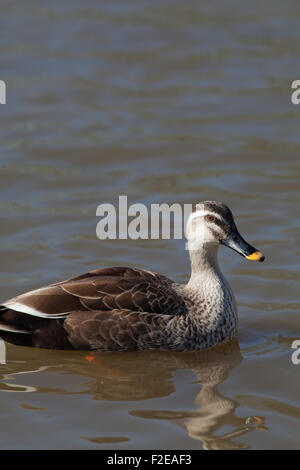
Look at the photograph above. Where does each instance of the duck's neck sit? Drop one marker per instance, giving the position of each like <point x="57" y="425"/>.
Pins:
<point x="204" y="266"/>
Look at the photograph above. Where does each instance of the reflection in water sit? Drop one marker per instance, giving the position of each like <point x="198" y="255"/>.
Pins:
<point x="145" y="375"/>
<point x="211" y="367"/>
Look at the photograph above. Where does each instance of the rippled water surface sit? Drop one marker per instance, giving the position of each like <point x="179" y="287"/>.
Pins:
<point x="164" y="102"/>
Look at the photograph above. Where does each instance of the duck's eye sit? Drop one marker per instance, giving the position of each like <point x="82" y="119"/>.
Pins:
<point x="211" y="218"/>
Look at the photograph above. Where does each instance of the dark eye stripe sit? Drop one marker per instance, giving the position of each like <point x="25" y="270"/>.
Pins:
<point x="215" y="233"/>
<point x="217" y="222"/>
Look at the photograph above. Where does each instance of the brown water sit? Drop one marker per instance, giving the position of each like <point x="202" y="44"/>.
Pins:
<point x="165" y="102"/>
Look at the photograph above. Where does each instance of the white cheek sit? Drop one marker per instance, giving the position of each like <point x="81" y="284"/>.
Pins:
<point x="198" y="230"/>
<point x="209" y="235"/>
<point x="198" y="234"/>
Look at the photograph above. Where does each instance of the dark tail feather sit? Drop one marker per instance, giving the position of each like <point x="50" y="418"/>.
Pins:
<point x="27" y="330"/>
<point x="13" y="333"/>
<point x="23" y="339"/>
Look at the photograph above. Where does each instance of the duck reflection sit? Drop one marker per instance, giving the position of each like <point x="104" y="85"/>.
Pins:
<point x="139" y="376"/>
<point x="213" y="411"/>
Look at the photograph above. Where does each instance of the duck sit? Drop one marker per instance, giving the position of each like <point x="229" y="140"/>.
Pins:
<point x="129" y="309"/>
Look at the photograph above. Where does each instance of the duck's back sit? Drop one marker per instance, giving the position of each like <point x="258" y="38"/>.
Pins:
<point x="108" y="309"/>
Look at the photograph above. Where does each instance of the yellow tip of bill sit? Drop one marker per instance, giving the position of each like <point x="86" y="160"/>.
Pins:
<point x="256" y="256"/>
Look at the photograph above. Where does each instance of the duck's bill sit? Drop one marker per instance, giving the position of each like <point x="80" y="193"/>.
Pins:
<point x="238" y="244"/>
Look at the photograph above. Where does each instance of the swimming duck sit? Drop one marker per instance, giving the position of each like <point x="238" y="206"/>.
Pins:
<point x="127" y="309"/>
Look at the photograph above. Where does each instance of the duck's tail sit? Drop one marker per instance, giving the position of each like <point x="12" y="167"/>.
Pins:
<point x="12" y="333"/>
<point x="27" y="330"/>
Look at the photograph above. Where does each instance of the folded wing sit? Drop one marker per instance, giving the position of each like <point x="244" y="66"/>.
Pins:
<point x="107" y="289"/>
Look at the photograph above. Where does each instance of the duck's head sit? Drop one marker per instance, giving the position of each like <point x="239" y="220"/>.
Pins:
<point x="211" y="223"/>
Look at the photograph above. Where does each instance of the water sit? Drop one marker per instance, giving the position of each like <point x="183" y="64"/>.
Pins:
<point x="164" y="102"/>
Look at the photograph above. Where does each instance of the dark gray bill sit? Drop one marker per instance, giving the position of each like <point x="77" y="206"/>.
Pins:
<point x="238" y="244"/>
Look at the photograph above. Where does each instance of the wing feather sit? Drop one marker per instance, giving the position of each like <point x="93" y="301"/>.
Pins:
<point x="107" y="289"/>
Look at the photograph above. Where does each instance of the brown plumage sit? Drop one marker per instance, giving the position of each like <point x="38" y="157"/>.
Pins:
<point x="108" y="309"/>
